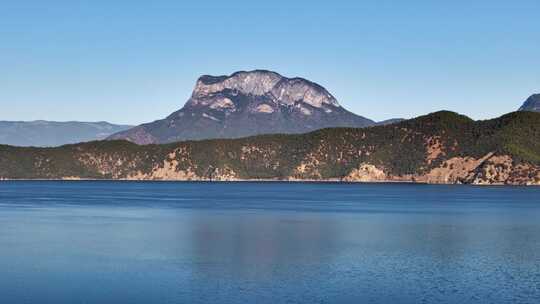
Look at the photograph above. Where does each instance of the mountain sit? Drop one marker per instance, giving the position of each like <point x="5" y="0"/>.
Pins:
<point x="42" y="133"/>
<point x="531" y="104"/>
<point x="442" y="147"/>
<point x="389" y="121"/>
<point x="245" y="104"/>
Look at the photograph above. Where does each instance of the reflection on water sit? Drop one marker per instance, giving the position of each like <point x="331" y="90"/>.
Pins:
<point x="257" y="244"/>
<point x="107" y="242"/>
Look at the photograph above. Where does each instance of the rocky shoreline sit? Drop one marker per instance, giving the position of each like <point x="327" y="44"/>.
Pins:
<point x="333" y="181"/>
<point x="489" y="170"/>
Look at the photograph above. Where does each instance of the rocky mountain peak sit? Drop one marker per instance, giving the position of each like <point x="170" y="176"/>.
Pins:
<point x="290" y="91"/>
<point x="248" y="103"/>
<point x="278" y="89"/>
<point x="531" y="104"/>
<point x="255" y="83"/>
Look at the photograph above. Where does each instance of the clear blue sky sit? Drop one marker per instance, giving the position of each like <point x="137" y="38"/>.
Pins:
<point x="137" y="61"/>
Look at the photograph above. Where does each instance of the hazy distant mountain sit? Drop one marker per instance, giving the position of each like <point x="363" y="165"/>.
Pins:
<point x="531" y="104"/>
<point x="389" y="121"/>
<point x="42" y="133"/>
<point x="248" y="103"/>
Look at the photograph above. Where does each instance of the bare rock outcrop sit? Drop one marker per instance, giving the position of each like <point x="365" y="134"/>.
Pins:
<point x="490" y="169"/>
<point x="366" y="173"/>
<point x="456" y="170"/>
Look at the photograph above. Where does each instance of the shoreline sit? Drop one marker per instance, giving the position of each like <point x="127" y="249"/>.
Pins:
<point x="284" y="181"/>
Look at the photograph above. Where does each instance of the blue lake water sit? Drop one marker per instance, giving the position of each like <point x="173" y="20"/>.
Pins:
<point x="134" y="242"/>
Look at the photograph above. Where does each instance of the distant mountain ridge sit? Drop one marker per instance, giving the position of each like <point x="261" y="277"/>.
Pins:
<point x="531" y="104"/>
<point x="246" y="104"/>
<point x="41" y="133"/>
<point x="389" y="121"/>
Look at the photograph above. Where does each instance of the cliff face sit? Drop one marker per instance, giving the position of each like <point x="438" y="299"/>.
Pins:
<point x="487" y="170"/>
<point x="441" y="148"/>
<point x="245" y="104"/>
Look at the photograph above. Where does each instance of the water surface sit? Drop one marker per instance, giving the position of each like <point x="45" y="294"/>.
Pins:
<point x="134" y="242"/>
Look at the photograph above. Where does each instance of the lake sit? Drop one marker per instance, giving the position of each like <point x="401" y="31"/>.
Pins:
<point x="169" y="242"/>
